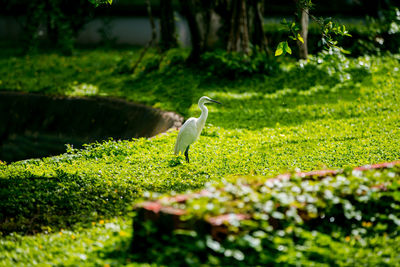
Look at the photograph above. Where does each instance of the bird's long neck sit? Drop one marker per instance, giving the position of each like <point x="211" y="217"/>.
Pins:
<point x="203" y="117"/>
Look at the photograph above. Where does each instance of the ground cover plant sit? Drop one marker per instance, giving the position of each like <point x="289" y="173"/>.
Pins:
<point x="293" y="219"/>
<point x="330" y="111"/>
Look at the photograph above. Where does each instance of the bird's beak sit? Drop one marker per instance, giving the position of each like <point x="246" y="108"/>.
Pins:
<point x="215" y="101"/>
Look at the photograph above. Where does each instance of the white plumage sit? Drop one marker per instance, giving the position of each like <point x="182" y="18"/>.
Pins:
<point x="191" y="129"/>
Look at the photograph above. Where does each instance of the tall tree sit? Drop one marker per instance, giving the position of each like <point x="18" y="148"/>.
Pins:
<point x="256" y="25"/>
<point x="304" y="21"/>
<point x="167" y="25"/>
<point x="238" y="40"/>
<point x="241" y="24"/>
<point x="189" y="10"/>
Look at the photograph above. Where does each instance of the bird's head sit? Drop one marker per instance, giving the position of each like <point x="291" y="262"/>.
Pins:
<point x="206" y="100"/>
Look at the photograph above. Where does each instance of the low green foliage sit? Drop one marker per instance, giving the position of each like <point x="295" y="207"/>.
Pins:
<point x="100" y="243"/>
<point x="369" y="35"/>
<point x="235" y="65"/>
<point x="293" y="221"/>
<point x="329" y="111"/>
<point x="383" y="33"/>
<point x="49" y="24"/>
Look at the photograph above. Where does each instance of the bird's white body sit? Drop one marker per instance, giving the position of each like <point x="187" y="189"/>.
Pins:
<point x="191" y="129"/>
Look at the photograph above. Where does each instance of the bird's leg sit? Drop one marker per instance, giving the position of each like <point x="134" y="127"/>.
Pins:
<point x="187" y="154"/>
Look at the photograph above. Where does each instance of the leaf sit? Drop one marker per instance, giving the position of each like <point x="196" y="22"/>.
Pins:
<point x="286" y="48"/>
<point x="300" y="38"/>
<point x="344" y="51"/>
<point x="279" y="49"/>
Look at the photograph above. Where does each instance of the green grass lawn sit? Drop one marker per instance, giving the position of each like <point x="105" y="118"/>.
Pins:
<point x="331" y="112"/>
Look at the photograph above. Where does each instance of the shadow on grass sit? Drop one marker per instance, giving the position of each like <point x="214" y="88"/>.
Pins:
<point x="176" y="89"/>
<point x="288" y="98"/>
<point x="163" y="250"/>
<point x="184" y="250"/>
<point x="32" y="204"/>
<point x="285" y="107"/>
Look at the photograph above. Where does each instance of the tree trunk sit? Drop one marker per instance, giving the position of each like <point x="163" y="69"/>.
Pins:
<point x="244" y="28"/>
<point x="258" y="37"/>
<point x="304" y="20"/>
<point x="188" y="9"/>
<point x="167" y="26"/>
<point x="153" y="36"/>
<point x="238" y="40"/>
<point x="152" y="23"/>
<point x="232" y="39"/>
<point x="206" y="15"/>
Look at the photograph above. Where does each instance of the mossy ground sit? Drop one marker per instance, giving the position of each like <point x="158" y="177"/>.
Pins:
<point x="330" y="112"/>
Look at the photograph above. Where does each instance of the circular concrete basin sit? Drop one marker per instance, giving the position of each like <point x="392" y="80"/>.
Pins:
<point x="36" y="125"/>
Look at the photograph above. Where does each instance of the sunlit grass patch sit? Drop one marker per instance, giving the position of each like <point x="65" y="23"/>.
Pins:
<point x="302" y="117"/>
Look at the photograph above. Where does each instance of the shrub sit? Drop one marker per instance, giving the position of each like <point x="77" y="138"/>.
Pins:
<point x="290" y="220"/>
<point x="58" y="21"/>
<point x="234" y="65"/>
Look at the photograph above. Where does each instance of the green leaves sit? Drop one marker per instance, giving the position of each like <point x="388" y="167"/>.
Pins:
<point x="283" y="121"/>
<point x="283" y="48"/>
<point x="279" y="49"/>
<point x="100" y="2"/>
<point x="293" y="29"/>
<point x="300" y="38"/>
<point x="332" y="213"/>
<point x="329" y="29"/>
<point x="286" y="48"/>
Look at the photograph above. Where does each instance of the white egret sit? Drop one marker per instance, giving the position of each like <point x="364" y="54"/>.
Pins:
<point x="191" y="129"/>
